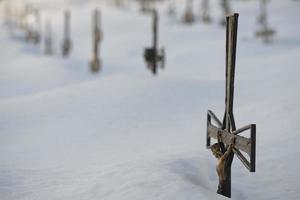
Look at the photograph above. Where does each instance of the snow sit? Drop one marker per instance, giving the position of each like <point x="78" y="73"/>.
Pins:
<point x="124" y="134"/>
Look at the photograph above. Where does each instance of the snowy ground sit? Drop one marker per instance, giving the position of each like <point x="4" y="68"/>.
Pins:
<point x="124" y="134"/>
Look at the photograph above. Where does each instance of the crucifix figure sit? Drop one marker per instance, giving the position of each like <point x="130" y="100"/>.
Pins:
<point x="152" y="55"/>
<point x="67" y="44"/>
<point x="229" y="142"/>
<point x="97" y="37"/>
<point x="188" y="16"/>
<point x="265" y="33"/>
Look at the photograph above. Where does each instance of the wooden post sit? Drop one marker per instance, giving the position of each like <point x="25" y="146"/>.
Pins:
<point x="226" y="131"/>
<point x="66" y="47"/>
<point x="95" y="63"/>
<point x="48" y="38"/>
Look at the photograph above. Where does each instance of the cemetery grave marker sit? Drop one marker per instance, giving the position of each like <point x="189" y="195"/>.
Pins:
<point x="67" y="44"/>
<point x="266" y="33"/>
<point x="172" y="8"/>
<point x="48" y="38"/>
<point x="95" y="62"/>
<point x="226" y="11"/>
<point x="230" y="143"/>
<point x="188" y="16"/>
<point x="146" y="6"/>
<point x="36" y="37"/>
<point x="205" y="15"/>
<point x="152" y="55"/>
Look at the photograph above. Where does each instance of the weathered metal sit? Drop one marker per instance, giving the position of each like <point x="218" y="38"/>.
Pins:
<point x="224" y="132"/>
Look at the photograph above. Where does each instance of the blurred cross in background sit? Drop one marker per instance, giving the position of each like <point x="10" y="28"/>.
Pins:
<point x="48" y="38"/>
<point x="188" y="16"/>
<point x="95" y="63"/>
<point x="204" y="11"/>
<point x="265" y="32"/>
<point x="226" y="11"/>
<point x="67" y="44"/>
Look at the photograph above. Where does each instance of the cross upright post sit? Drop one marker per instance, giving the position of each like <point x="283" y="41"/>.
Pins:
<point x="229" y="143"/>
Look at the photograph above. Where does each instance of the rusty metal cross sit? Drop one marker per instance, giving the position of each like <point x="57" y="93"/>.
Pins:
<point x="226" y="130"/>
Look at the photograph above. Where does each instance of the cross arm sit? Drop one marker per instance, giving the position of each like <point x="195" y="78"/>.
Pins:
<point x="242" y="143"/>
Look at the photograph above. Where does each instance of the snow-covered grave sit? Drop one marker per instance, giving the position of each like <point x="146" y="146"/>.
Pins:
<point x="124" y="134"/>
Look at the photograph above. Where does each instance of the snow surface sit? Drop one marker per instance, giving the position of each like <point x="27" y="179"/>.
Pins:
<point x="124" y="134"/>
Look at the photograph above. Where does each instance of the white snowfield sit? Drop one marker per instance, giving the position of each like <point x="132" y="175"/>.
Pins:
<point x="124" y="134"/>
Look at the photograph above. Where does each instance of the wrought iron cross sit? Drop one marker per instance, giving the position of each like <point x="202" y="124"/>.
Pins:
<point x="226" y="130"/>
<point x="153" y="55"/>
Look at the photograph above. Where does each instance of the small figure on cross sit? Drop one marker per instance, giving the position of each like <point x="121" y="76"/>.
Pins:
<point x="223" y="161"/>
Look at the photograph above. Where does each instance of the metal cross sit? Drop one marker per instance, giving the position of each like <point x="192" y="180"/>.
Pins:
<point x="266" y="33"/>
<point x="66" y="47"/>
<point x="189" y="16"/>
<point x="225" y="131"/>
<point x="153" y="55"/>
<point x="95" y="63"/>
<point x="48" y="38"/>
